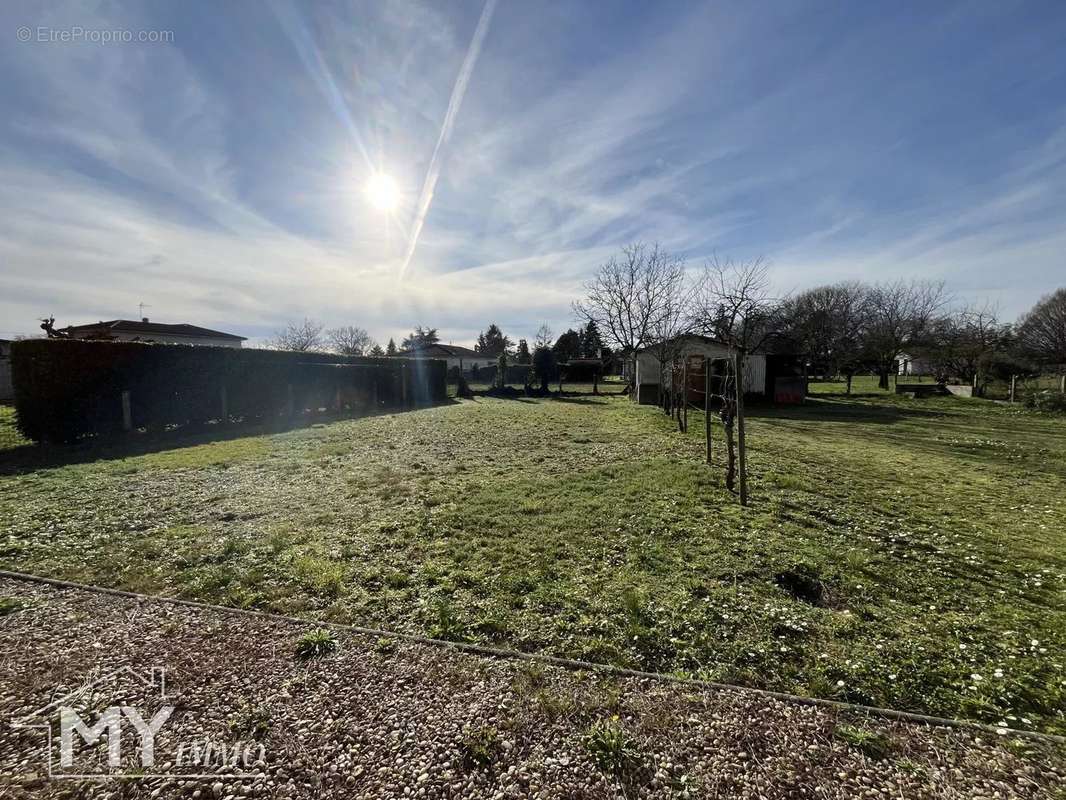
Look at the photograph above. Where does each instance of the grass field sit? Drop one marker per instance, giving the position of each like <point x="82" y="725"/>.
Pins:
<point x="896" y="552"/>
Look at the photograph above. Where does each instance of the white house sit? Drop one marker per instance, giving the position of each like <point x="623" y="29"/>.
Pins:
<point x="648" y="366"/>
<point x="125" y="330"/>
<point x="454" y="355"/>
<point x="913" y="365"/>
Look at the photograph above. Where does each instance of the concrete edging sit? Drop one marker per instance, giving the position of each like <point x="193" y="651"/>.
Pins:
<point x="566" y="663"/>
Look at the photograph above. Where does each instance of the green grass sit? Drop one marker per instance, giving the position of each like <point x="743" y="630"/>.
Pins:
<point x="897" y="552"/>
<point x="9" y="434"/>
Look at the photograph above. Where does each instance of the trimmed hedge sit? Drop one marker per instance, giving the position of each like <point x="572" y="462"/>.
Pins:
<point x="69" y="389"/>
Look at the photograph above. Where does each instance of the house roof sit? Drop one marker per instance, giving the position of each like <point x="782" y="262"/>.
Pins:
<point x="693" y="336"/>
<point x="439" y="350"/>
<point x="146" y="327"/>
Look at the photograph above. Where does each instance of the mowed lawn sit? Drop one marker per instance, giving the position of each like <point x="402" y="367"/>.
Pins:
<point x="896" y="552"/>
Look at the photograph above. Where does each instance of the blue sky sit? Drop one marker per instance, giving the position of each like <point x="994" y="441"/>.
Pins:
<point x="219" y="177"/>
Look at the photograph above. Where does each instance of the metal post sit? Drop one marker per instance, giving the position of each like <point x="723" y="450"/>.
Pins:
<point x="684" y="394"/>
<point x="127" y="412"/>
<point x="707" y="403"/>
<point x="1013" y="382"/>
<point x="739" y="370"/>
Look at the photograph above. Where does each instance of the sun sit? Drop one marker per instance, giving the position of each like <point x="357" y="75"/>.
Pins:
<point x="383" y="192"/>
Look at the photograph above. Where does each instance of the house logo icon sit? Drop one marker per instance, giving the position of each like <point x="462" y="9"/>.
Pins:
<point x="119" y="726"/>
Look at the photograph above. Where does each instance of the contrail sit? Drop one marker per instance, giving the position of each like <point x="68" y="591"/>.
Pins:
<point x="456" y="100"/>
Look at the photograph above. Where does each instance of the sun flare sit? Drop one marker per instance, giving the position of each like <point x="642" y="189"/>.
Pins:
<point x="383" y="192"/>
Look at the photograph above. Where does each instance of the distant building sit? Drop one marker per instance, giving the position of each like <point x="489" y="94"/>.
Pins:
<point x="125" y="330"/>
<point x="454" y="355"/>
<point x="779" y="377"/>
<point x="648" y="369"/>
<point x="913" y="365"/>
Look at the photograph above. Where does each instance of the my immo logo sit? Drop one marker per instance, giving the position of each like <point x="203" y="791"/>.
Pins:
<point x="92" y="744"/>
<point x="110" y="724"/>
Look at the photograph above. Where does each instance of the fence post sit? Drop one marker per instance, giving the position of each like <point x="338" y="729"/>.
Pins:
<point x="1013" y="379"/>
<point x="225" y="404"/>
<point x="1062" y="383"/>
<point x="684" y="394"/>
<point x="127" y="412"/>
<point x="742" y="451"/>
<point x="707" y="403"/>
<point x="403" y="386"/>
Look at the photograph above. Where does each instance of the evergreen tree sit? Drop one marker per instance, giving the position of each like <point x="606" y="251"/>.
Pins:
<point x="377" y="351"/>
<point x="420" y="337"/>
<point x="492" y="342"/>
<point x="591" y="342"/>
<point x="523" y="356"/>
<point x="567" y="346"/>
<point x="390" y="349"/>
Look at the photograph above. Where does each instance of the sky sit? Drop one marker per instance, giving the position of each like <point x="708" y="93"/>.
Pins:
<point x="210" y="160"/>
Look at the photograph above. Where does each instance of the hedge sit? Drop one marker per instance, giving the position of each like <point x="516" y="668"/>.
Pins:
<point x="69" y="389"/>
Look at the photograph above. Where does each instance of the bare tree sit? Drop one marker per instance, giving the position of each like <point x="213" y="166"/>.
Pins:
<point x="349" y="340"/>
<point x="628" y="294"/>
<point x="900" y="316"/>
<point x="732" y="303"/>
<point x="827" y="323"/>
<point x="301" y="337"/>
<point x="667" y="329"/>
<point x="1042" y="331"/>
<point x="965" y="343"/>
<point x="544" y="337"/>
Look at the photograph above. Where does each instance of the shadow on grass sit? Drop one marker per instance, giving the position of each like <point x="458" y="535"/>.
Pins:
<point x="838" y="409"/>
<point x="32" y="457"/>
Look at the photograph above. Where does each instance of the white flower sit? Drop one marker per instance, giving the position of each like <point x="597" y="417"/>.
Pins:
<point x="975" y="677"/>
<point x="840" y="683"/>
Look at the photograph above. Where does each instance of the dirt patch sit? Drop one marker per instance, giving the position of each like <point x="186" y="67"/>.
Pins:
<point x="804" y="584"/>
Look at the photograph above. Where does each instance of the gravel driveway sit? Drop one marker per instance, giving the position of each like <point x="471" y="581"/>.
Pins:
<point x="384" y="718"/>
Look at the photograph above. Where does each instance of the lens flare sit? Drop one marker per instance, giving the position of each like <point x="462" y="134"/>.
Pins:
<point x="383" y="192"/>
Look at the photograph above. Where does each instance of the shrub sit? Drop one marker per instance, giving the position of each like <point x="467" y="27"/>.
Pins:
<point x="65" y="390"/>
<point x="610" y="747"/>
<point x="480" y="747"/>
<point x="501" y="370"/>
<point x="9" y="605"/>
<point x="872" y="744"/>
<point x="1051" y="402"/>
<point x="319" y="642"/>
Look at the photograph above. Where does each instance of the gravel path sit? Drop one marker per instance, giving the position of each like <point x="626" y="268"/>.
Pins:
<point x="384" y="719"/>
